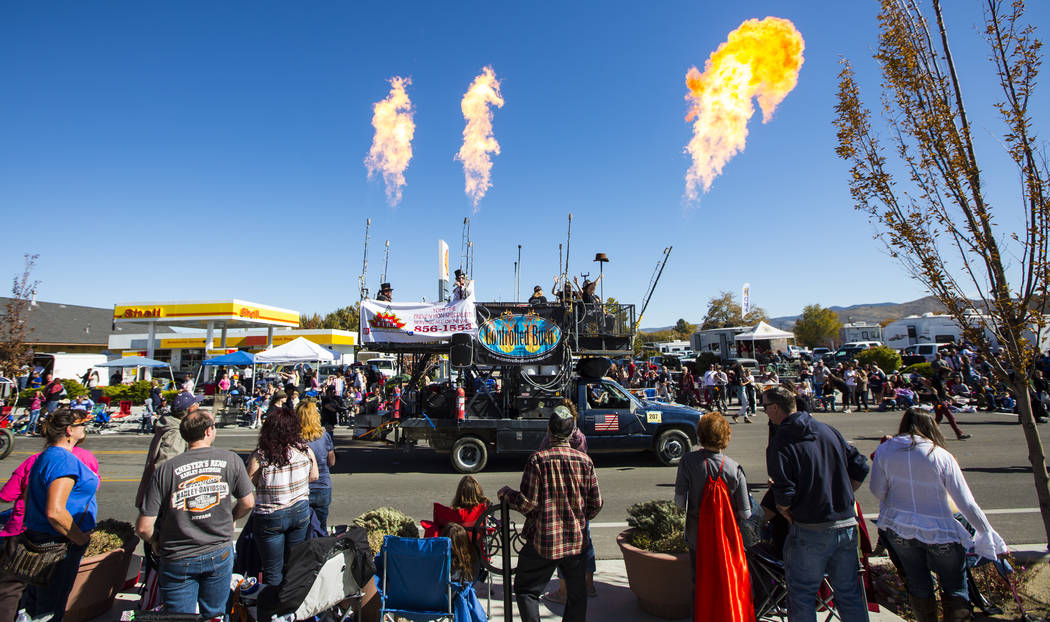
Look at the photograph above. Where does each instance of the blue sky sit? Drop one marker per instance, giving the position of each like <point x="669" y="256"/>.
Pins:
<point x="195" y="150"/>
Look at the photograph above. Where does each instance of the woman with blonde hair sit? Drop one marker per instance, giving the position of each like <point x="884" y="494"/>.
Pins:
<point x="320" y="443"/>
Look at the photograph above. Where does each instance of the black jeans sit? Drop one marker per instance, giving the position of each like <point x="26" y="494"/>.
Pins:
<point x="534" y="572"/>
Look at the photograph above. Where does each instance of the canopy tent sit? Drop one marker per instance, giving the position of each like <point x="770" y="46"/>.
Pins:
<point x="240" y="358"/>
<point x="299" y="350"/>
<point x="138" y="361"/>
<point x="762" y="332"/>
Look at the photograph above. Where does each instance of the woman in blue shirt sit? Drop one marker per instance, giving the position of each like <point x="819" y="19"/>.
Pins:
<point x="60" y="507"/>
<point x="320" y="442"/>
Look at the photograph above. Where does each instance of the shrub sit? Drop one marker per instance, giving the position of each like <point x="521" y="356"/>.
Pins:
<point x="136" y="393"/>
<point x="659" y="526"/>
<point x="73" y="390"/>
<point x="386" y="521"/>
<point x="923" y="369"/>
<point x="888" y="359"/>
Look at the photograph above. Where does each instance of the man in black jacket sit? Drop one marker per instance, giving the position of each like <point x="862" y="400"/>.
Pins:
<point x="814" y="473"/>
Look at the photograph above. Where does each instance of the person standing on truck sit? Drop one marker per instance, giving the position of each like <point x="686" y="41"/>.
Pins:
<point x="386" y="293"/>
<point x="537" y="297"/>
<point x="464" y="287"/>
<point x="559" y="494"/>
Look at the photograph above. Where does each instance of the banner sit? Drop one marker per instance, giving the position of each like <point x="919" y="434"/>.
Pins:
<point x="510" y="333"/>
<point x="745" y="300"/>
<point x="415" y="322"/>
<point x="442" y="260"/>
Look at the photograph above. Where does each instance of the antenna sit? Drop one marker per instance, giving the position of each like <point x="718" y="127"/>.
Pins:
<point x="568" y="239"/>
<point x="464" y="250"/>
<point x="470" y="257"/>
<point x="559" y="258"/>
<point x="364" y="262"/>
<point x="386" y="261"/>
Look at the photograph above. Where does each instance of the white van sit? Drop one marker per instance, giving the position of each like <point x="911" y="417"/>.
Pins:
<point x="71" y="366"/>
<point x="862" y="345"/>
<point x="384" y="365"/>
<point x="927" y="351"/>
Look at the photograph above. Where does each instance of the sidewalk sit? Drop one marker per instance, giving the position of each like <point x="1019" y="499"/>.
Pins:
<point x="615" y="601"/>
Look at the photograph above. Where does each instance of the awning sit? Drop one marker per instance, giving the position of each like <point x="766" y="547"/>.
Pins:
<point x="300" y="350"/>
<point x="240" y="358"/>
<point x="133" y="361"/>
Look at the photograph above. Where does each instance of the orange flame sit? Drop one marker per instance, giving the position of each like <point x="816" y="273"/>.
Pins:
<point x="478" y="140"/>
<point x="759" y="59"/>
<point x="392" y="146"/>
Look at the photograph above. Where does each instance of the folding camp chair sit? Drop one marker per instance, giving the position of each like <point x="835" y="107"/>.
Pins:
<point x="125" y="408"/>
<point x="416" y="579"/>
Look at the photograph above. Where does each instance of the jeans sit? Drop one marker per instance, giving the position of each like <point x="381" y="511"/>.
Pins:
<point x="533" y="573"/>
<point x="34" y="416"/>
<point x="275" y="535"/>
<point x="918" y="559"/>
<point x="201" y="580"/>
<point x="320" y="499"/>
<point x="39" y="601"/>
<point x="147" y="419"/>
<point x="809" y="555"/>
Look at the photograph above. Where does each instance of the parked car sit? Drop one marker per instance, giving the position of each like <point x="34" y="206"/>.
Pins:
<point x="798" y="352"/>
<point x="818" y="353"/>
<point x="921" y="353"/>
<point x="751" y="364"/>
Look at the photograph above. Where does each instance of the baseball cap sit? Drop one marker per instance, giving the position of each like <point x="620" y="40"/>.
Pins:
<point x="537" y="288"/>
<point x="183" y="401"/>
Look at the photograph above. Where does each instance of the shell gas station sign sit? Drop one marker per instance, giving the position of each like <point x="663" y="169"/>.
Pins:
<point x="230" y="312"/>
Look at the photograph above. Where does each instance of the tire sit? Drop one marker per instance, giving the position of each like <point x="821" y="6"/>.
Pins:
<point x="671" y="446"/>
<point x="7" y="442"/>
<point x="469" y="455"/>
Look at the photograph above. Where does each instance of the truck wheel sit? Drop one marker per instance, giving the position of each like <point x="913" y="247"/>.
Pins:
<point x="469" y="455"/>
<point x="671" y="446"/>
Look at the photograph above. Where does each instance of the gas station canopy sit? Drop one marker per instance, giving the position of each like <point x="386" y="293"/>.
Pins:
<point x="230" y="313"/>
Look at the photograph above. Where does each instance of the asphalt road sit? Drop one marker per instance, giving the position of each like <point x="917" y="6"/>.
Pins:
<point x="369" y="475"/>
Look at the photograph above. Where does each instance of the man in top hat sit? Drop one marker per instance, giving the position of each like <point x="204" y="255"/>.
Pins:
<point x="464" y="287"/>
<point x="537" y="297"/>
<point x="386" y="293"/>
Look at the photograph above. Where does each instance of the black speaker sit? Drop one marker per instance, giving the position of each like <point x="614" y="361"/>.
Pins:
<point x="462" y="352"/>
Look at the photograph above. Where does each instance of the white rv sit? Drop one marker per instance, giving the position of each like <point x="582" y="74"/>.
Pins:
<point x="931" y="328"/>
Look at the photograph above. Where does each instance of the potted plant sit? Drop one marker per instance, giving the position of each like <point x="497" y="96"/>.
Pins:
<point x="656" y="559"/>
<point x="103" y="570"/>
<point x="380" y="522"/>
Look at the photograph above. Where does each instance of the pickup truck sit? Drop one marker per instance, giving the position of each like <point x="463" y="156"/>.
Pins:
<point x="610" y="417"/>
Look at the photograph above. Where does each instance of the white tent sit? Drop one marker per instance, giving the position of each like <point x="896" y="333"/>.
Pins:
<point x="764" y="331"/>
<point x="300" y="350"/>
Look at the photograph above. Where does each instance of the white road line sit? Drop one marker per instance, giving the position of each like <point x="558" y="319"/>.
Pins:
<point x="871" y="517"/>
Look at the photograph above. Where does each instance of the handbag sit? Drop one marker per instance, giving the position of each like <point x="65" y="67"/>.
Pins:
<point x="30" y="562"/>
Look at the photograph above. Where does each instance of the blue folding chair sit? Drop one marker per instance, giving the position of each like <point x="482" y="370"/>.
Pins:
<point x="416" y="579"/>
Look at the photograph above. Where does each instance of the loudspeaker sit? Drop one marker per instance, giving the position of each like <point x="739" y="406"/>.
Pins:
<point x="462" y="353"/>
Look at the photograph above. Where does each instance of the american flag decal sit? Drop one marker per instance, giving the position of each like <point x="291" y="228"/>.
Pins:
<point x="607" y="423"/>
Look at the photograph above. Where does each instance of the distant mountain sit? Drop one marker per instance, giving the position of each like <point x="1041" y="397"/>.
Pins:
<point x="872" y="312"/>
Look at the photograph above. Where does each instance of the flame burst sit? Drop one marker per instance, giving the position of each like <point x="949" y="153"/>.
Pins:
<point x="478" y="140"/>
<point x="392" y="146"/>
<point x="759" y="59"/>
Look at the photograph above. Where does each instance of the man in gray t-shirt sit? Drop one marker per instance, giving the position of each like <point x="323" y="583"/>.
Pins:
<point x="187" y="517"/>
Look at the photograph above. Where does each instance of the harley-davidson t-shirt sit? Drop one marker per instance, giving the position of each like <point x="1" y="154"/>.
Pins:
<point x="192" y="496"/>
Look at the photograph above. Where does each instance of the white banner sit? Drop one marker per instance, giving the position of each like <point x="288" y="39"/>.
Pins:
<point x="442" y="260"/>
<point x="745" y="300"/>
<point x="415" y="322"/>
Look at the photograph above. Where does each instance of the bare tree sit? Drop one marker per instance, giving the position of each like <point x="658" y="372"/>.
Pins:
<point x="14" y="327"/>
<point x="927" y="195"/>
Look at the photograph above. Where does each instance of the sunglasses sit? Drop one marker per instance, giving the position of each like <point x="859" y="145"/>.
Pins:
<point x="79" y="425"/>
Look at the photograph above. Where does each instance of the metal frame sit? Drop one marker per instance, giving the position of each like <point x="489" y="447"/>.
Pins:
<point x="383" y="613"/>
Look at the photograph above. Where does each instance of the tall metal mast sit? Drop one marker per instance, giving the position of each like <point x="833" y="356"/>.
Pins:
<point x="464" y="250"/>
<point x="568" y="239"/>
<point x="652" y="287"/>
<point x="364" y="262"/>
<point x="386" y="261"/>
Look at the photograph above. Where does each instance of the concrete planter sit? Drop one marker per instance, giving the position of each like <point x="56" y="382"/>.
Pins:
<point x="97" y="583"/>
<point x="662" y="582"/>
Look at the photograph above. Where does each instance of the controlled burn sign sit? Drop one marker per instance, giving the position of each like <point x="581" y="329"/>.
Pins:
<point x="534" y="337"/>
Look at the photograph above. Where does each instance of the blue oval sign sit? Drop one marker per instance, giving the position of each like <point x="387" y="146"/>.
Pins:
<point x="519" y="337"/>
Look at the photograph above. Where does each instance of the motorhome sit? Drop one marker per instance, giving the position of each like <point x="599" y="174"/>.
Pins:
<point x="934" y="328"/>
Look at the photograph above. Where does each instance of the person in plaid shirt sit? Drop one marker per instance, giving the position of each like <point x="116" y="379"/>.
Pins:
<point x="559" y="494"/>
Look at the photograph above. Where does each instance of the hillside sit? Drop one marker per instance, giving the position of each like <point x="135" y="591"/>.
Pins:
<point x="871" y="312"/>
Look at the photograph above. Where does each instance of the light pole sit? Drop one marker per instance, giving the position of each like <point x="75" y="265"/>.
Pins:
<point x="602" y="259"/>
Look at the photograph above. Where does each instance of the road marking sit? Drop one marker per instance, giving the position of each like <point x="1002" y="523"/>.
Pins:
<point x="871" y="517"/>
<point x="109" y="480"/>
<point x="97" y="452"/>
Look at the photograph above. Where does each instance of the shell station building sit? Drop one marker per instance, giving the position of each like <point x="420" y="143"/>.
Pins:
<point x="186" y="333"/>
